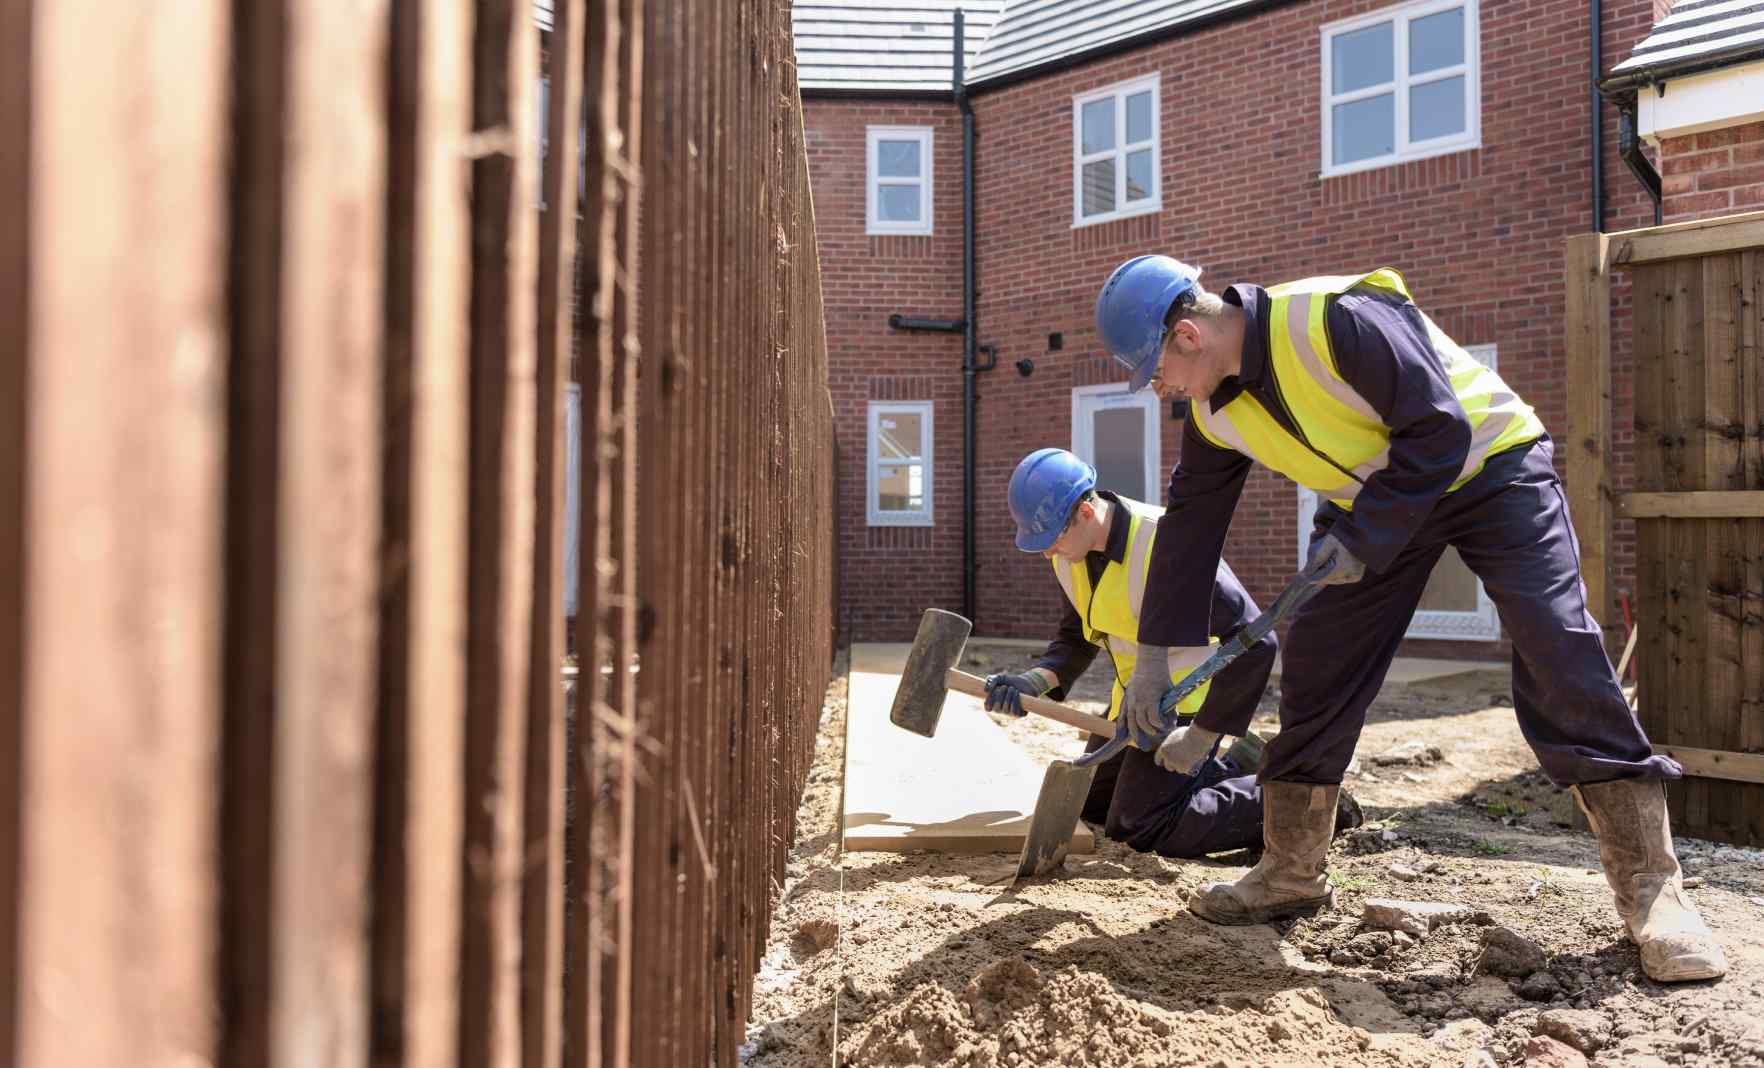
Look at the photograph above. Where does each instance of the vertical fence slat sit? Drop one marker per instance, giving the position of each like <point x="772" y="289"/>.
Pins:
<point x="1722" y="467"/>
<point x="121" y="542"/>
<point x="420" y="759"/>
<point x="15" y="340"/>
<point x="329" y="561"/>
<point x="1587" y="326"/>
<point x="500" y="527"/>
<point x="543" y="874"/>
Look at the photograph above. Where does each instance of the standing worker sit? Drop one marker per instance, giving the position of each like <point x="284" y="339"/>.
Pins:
<point x="1342" y="385"/>
<point x="1098" y="544"/>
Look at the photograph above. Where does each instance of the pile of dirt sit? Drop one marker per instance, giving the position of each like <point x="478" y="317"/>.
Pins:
<point x="1012" y="1013"/>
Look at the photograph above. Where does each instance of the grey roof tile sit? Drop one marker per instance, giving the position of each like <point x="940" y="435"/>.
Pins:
<point x="1695" y="30"/>
<point x="884" y="45"/>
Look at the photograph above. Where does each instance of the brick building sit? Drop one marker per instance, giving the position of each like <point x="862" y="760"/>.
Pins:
<point x="1260" y="140"/>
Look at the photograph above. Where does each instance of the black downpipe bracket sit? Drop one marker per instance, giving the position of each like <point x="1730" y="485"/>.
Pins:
<point x="971" y="366"/>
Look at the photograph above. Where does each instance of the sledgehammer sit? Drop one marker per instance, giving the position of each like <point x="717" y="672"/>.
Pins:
<point x="930" y="674"/>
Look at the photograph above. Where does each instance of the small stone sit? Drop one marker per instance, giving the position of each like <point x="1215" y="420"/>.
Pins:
<point x="1415" y="917"/>
<point x="1344" y="956"/>
<point x="1403" y="939"/>
<point x="1583" y="1029"/>
<point x="1414" y="776"/>
<point x="1693" y="882"/>
<point x="1388" y="836"/>
<point x="1539" y="986"/>
<point x="1405" y="873"/>
<point x="1543" y="1051"/>
<point x="1479" y="1059"/>
<point x="1411" y="753"/>
<point x="1507" y="953"/>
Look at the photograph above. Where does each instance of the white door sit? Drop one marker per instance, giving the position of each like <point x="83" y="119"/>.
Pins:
<point x="1454" y="604"/>
<point x="1117" y="433"/>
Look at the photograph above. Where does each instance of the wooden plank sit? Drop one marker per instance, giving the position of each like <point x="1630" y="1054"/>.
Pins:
<point x="1588" y="445"/>
<point x="329" y="562"/>
<point x="970" y="789"/>
<point x="15" y="262"/>
<point x="543" y="893"/>
<point x="1750" y="816"/>
<point x="500" y="529"/>
<point x="1692" y="504"/>
<point x="420" y="756"/>
<point x="1687" y="380"/>
<point x="117" y="698"/>
<point x="1722" y="469"/>
<point x="1651" y="536"/>
<point x="1718" y="764"/>
<point x="1702" y="237"/>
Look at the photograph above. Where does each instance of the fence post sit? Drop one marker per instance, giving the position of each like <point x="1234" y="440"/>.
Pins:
<point x="1589" y="414"/>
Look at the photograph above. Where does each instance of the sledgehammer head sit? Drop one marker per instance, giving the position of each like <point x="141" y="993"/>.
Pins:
<point x="918" y="704"/>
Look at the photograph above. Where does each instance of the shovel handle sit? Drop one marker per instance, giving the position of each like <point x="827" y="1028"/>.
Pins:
<point x="975" y="686"/>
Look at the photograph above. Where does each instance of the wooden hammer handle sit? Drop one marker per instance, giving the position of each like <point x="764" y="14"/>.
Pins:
<point x="975" y="686"/>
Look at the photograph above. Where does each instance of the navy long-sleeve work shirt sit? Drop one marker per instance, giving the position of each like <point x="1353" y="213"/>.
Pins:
<point x="1382" y="349"/>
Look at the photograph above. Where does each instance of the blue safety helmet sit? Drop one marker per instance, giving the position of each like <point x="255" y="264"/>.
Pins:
<point x="1044" y="489"/>
<point x="1131" y="309"/>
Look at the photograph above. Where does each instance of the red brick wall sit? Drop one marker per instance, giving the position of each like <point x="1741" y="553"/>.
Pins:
<point x="1478" y="234"/>
<point x="1719" y="172"/>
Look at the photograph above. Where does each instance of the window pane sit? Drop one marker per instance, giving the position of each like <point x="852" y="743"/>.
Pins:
<point x="1099" y="125"/>
<point x="1139" y="117"/>
<point x="1436" y="41"/>
<point x="1099" y="187"/>
<point x="897" y="159"/>
<point x="898" y="203"/>
<point x="1436" y="109"/>
<point x="900" y="488"/>
<point x="900" y="435"/>
<point x="1139" y="175"/>
<point x="1364" y="128"/>
<point x="1363" y="58"/>
<point x="1120" y="451"/>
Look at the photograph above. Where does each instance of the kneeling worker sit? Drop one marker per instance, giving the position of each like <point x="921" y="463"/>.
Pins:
<point x="1098" y="544"/>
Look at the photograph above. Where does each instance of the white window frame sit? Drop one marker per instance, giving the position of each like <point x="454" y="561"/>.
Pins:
<point x="872" y="479"/>
<point x="874" y="135"/>
<point x="1120" y="92"/>
<point x="1116" y="395"/>
<point x="1406" y="150"/>
<point x="1481" y="625"/>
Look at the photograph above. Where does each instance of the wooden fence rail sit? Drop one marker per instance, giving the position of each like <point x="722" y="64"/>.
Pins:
<point x="290" y="305"/>
<point x="1697" y="499"/>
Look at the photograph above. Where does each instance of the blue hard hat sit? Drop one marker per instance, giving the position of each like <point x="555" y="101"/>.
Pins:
<point x="1131" y="308"/>
<point x="1044" y="489"/>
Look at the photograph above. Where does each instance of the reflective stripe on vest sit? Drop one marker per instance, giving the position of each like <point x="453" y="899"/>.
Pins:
<point x="1110" y="611"/>
<point x="1338" y="421"/>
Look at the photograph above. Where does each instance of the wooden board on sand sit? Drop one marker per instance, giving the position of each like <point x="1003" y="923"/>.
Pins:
<point x="968" y="790"/>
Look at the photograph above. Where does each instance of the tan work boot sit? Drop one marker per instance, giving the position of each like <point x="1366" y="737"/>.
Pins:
<point x="1298" y="820"/>
<point x="1635" y="844"/>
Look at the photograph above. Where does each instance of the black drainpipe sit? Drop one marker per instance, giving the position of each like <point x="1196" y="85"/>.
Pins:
<point x="1598" y="119"/>
<point x="971" y="366"/>
<point x="1629" y="146"/>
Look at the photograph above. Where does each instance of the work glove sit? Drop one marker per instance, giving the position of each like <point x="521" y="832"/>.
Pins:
<point x="1185" y="748"/>
<point x="1331" y="564"/>
<point x="1004" y="693"/>
<point x="1145" y="691"/>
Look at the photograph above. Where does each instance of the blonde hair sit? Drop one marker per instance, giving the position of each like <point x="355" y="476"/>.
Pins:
<point x="1197" y="303"/>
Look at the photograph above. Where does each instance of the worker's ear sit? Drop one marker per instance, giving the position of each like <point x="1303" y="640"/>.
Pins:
<point x="1185" y="338"/>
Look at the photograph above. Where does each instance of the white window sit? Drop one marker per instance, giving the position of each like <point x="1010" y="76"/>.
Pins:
<point x="1115" y="152"/>
<point x="1400" y="84"/>
<point x="900" y="464"/>
<point x="1118" y="433"/>
<point x="899" y="183"/>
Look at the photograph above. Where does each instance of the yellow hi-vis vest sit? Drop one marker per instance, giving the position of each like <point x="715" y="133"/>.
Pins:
<point x="1339" y="422"/>
<point x="1110" y="610"/>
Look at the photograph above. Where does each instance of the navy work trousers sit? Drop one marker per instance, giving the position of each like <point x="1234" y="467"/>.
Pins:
<point x="1510" y="525"/>
<point x="1158" y="811"/>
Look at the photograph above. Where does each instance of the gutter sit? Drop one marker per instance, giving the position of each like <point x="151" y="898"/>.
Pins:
<point x="971" y="367"/>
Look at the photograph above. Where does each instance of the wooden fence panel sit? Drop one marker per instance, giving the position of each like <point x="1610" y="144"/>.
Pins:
<point x="1698" y="380"/>
<point x="112" y="288"/>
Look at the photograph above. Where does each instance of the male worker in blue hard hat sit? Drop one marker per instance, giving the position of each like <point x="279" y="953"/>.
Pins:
<point x="1343" y="385"/>
<point x="1098" y="543"/>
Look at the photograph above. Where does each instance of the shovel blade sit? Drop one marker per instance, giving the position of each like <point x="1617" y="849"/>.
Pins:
<point x="1063" y="790"/>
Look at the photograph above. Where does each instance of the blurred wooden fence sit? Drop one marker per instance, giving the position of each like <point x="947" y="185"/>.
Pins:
<point x="1697" y="500"/>
<point x="286" y="775"/>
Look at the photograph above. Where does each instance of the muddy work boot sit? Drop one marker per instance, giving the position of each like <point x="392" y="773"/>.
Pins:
<point x="1635" y="844"/>
<point x="1297" y="822"/>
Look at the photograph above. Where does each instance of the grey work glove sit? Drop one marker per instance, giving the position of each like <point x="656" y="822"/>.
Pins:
<point x="1145" y="691"/>
<point x="1004" y="693"/>
<point x="1332" y="565"/>
<point x="1185" y="748"/>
